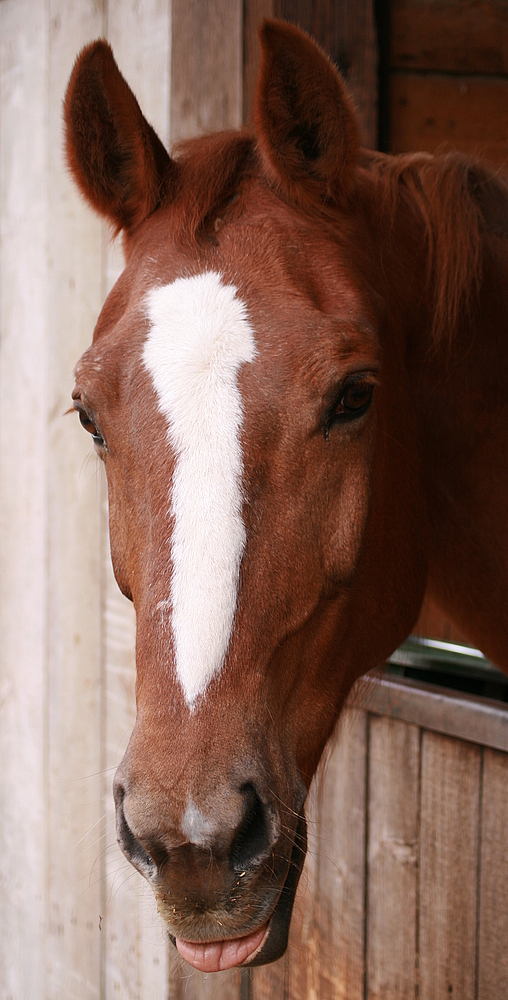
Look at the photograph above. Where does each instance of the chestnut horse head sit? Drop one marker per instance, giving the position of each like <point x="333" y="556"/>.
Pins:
<point x="251" y="389"/>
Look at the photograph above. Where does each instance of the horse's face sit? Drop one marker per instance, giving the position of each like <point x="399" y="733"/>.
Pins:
<point x="239" y="396"/>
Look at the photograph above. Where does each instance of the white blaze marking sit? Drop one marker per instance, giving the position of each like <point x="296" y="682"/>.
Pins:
<point x="200" y="337"/>
<point x="196" y="827"/>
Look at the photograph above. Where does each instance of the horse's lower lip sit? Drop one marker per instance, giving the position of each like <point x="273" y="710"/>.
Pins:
<point x="216" y="956"/>
<point x="266" y="944"/>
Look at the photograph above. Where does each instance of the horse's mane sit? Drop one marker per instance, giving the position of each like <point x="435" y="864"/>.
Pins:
<point x="449" y="192"/>
<point x="446" y="191"/>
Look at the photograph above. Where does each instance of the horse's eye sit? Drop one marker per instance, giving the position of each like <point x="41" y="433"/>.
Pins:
<point x="89" y="426"/>
<point x="355" y="398"/>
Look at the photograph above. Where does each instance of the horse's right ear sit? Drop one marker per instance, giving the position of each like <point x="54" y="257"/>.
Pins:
<point x="116" y="158"/>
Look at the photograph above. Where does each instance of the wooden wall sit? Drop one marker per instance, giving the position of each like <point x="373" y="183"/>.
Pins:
<point x="76" y="921"/>
<point x="449" y="76"/>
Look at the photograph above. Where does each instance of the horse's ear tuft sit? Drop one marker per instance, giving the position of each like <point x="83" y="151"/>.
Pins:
<point x="306" y="128"/>
<point x="116" y="158"/>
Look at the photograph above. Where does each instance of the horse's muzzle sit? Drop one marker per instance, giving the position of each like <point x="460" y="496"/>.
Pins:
<point x="224" y="875"/>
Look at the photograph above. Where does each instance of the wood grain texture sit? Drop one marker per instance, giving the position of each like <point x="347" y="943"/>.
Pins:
<point x="185" y="983"/>
<point x="493" y="955"/>
<point x="270" y="982"/>
<point x="449" y="832"/>
<point x="461" y="36"/>
<point x="73" y="947"/>
<point x="206" y="67"/>
<point x="135" y="945"/>
<point x="253" y="13"/>
<point x="394" y="756"/>
<point x="437" y="112"/>
<point x="478" y="720"/>
<point x="23" y="499"/>
<point x="327" y="937"/>
<point x="303" y="970"/>
<point x="325" y="957"/>
<point x="347" y="33"/>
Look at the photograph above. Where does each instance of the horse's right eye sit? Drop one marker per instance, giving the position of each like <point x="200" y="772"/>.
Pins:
<point x="89" y="426"/>
<point x="85" y="422"/>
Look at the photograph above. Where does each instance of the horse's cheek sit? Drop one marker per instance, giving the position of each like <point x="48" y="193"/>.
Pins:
<point x="349" y="516"/>
<point x="122" y="531"/>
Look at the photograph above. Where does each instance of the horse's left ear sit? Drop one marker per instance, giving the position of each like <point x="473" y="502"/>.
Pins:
<point x="305" y="124"/>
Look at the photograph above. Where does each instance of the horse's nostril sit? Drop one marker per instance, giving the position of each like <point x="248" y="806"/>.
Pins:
<point x="129" y="844"/>
<point x="118" y="791"/>
<point x="256" y="835"/>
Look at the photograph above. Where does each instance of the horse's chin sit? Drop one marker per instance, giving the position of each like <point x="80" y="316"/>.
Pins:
<point x="267" y="943"/>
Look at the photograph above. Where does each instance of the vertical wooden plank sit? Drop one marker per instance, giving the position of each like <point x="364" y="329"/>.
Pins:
<point x="23" y="507"/>
<point x="140" y="35"/>
<point x="450" y="798"/>
<point x="301" y="977"/>
<point x="342" y="862"/>
<point x="135" y="945"/>
<point x="326" y="955"/>
<point x="436" y="111"/>
<point x="206" y="67"/>
<point x="270" y="982"/>
<point x="392" y="859"/>
<point x="253" y="13"/>
<point x="74" y="599"/>
<point x="186" y="983"/>
<point x="493" y="931"/>
<point x="457" y="36"/>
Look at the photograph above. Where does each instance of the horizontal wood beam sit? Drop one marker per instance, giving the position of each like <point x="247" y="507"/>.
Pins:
<point x="442" y="711"/>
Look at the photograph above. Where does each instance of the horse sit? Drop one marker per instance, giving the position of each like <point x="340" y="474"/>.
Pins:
<point x="299" y="390"/>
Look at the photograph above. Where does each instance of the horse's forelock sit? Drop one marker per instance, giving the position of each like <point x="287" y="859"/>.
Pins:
<point x="211" y="169"/>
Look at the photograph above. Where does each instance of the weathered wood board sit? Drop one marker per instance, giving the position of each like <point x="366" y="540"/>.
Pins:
<point x="23" y="501"/>
<point x="436" y="112"/>
<point x="457" y="36"/>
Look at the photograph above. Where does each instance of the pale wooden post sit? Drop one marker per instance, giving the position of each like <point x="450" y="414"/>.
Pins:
<point x="23" y="498"/>
<point x="73" y="545"/>
<point x="136" y="945"/>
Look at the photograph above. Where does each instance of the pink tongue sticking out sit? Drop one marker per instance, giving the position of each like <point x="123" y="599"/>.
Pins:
<point x="216" y="956"/>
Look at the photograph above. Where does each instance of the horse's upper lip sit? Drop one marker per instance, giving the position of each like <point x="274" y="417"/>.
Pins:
<point x="274" y="942"/>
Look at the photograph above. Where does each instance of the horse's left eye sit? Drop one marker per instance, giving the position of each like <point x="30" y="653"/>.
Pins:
<point x="355" y="397"/>
<point x="354" y="400"/>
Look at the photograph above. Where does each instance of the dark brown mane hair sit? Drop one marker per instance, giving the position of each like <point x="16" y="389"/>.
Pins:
<point x="446" y="191"/>
<point x="443" y="190"/>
